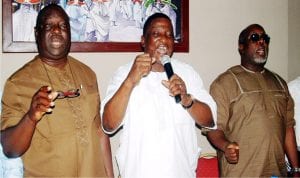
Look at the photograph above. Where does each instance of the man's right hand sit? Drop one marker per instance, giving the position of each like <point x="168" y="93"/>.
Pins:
<point x="42" y="102"/>
<point x="140" y="68"/>
<point x="232" y="153"/>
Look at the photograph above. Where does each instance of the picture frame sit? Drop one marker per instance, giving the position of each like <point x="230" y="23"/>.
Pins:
<point x="10" y="45"/>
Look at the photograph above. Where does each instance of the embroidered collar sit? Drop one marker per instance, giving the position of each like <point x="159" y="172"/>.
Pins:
<point x="247" y="70"/>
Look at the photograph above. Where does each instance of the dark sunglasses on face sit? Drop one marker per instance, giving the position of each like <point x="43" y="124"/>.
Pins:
<point x="256" y="37"/>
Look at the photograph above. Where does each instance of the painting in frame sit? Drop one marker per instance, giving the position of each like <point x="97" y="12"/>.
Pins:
<point x="96" y="25"/>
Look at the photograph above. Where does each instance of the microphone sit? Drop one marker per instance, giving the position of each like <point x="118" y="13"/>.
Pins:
<point x="166" y="62"/>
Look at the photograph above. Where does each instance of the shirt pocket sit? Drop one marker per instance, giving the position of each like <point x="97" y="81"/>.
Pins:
<point x="90" y="102"/>
<point x="279" y="103"/>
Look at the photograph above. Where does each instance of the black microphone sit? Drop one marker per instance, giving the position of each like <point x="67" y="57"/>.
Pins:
<point x="166" y="62"/>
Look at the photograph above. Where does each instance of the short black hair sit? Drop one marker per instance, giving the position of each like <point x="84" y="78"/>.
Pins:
<point x="151" y="18"/>
<point x="245" y="33"/>
<point x="45" y="12"/>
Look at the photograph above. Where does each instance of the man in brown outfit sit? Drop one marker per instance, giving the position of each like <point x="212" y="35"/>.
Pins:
<point x="51" y="109"/>
<point x="255" y="114"/>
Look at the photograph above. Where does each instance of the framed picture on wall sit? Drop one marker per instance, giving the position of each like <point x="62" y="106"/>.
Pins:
<point x="96" y="25"/>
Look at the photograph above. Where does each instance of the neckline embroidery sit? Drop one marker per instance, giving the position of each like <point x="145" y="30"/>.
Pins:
<point x="250" y="71"/>
<point x="68" y="81"/>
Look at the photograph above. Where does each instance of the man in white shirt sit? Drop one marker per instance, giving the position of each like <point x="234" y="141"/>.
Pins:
<point x="159" y="136"/>
<point x="294" y="88"/>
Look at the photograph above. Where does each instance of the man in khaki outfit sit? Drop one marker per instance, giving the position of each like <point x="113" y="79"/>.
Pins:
<point x="51" y="109"/>
<point x="255" y="114"/>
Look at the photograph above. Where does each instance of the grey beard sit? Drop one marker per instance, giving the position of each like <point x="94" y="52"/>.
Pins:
<point x="260" y="60"/>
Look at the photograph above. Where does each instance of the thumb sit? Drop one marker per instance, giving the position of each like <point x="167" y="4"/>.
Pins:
<point x="53" y="95"/>
<point x="234" y="146"/>
<point x="165" y="83"/>
<point x="153" y="60"/>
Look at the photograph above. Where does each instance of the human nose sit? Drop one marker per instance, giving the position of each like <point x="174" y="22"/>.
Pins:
<point x="261" y="40"/>
<point x="56" y="29"/>
<point x="164" y="38"/>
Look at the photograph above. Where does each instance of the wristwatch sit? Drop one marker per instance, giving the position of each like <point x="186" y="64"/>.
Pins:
<point x="191" y="104"/>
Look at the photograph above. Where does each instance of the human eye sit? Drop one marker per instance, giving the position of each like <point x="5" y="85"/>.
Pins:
<point x="47" y="27"/>
<point x="155" y="33"/>
<point x="170" y="35"/>
<point x="63" y="26"/>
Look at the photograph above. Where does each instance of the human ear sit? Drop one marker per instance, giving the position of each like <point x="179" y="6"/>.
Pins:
<point x="36" y="33"/>
<point x="143" y="41"/>
<point x="241" y="48"/>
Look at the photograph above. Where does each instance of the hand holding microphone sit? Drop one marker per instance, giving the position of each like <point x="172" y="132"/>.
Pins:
<point x="166" y="62"/>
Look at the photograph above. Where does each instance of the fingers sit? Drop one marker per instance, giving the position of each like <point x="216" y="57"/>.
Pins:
<point x="53" y="95"/>
<point x="42" y="102"/>
<point x="153" y="60"/>
<point x="143" y="63"/>
<point x="175" y="85"/>
<point x="232" y="153"/>
<point x="166" y="83"/>
<point x="140" y="68"/>
<point x="233" y="145"/>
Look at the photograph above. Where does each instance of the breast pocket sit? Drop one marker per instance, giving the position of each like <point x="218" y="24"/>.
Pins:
<point x="279" y="102"/>
<point x="90" y="102"/>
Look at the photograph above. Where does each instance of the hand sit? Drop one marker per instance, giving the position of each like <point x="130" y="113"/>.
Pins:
<point x="140" y="68"/>
<point x="232" y="153"/>
<point x="42" y="102"/>
<point x="177" y="86"/>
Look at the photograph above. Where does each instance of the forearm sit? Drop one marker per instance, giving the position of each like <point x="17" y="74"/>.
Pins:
<point x="218" y="139"/>
<point x="201" y="113"/>
<point x="115" y="108"/>
<point x="16" y="140"/>
<point x="291" y="147"/>
<point x="106" y="152"/>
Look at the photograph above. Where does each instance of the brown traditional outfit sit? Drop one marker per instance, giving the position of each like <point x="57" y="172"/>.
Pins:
<point x="254" y="110"/>
<point x="65" y="142"/>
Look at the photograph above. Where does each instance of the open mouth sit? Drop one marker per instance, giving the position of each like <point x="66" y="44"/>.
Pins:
<point x="162" y="49"/>
<point x="57" y="42"/>
<point x="261" y="51"/>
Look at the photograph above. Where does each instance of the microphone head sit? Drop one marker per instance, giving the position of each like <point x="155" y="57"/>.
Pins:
<point x="165" y="59"/>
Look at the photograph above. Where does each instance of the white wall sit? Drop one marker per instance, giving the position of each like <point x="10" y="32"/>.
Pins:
<point x="294" y="42"/>
<point x="214" y="29"/>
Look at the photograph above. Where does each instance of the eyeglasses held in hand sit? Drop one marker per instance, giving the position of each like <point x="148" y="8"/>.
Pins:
<point x="68" y="94"/>
<point x="256" y="37"/>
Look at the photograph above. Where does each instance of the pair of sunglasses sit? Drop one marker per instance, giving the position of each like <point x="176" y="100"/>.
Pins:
<point x="68" y="94"/>
<point x="256" y="37"/>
